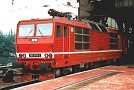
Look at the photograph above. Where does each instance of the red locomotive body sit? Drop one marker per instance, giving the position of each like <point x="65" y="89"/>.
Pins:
<point x="47" y="48"/>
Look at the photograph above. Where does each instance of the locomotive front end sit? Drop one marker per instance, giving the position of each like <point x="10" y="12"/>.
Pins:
<point x="34" y="47"/>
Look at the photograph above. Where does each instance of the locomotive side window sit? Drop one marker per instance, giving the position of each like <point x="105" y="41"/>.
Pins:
<point x="102" y="28"/>
<point x="58" y="31"/>
<point x="113" y="41"/>
<point x="86" y="31"/>
<point x="78" y="30"/>
<point x="78" y="46"/>
<point x="44" y="29"/>
<point x="26" y="30"/>
<point x="82" y="38"/>
<point x="94" y="27"/>
<point x="65" y="31"/>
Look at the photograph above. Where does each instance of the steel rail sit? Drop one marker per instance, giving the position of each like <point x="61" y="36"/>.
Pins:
<point x="19" y="84"/>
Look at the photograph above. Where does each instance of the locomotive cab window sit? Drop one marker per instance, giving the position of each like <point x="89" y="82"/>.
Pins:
<point x="82" y="38"/>
<point x="58" y="31"/>
<point x="44" y="29"/>
<point x="26" y="30"/>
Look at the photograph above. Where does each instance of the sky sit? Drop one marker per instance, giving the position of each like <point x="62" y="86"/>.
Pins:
<point x="11" y="14"/>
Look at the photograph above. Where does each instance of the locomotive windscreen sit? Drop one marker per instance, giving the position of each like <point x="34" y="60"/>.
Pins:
<point x="43" y="29"/>
<point x="26" y="30"/>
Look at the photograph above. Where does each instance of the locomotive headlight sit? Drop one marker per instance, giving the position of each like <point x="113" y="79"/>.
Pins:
<point x="34" y="39"/>
<point x="48" y="55"/>
<point x="22" y="55"/>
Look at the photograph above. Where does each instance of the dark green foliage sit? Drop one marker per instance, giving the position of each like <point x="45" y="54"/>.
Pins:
<point x="7" y="48"/>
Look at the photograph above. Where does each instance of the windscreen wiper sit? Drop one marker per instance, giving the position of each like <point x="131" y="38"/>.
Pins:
<point x="40" y="33"/>
<point x="29" y="33"/>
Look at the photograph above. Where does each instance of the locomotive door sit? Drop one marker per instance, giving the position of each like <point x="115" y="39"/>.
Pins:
<point x="65" y="40"/>
<point x="62" y="39"/>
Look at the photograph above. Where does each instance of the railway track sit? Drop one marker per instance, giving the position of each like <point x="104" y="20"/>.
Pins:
<point x="7" y="73"/>
<point x="8" y="76"/>
<point x="87" y="81"/>
<point x="70" y="86"/>
<point x="19" y="85"/>
<point x="2" y="68"/>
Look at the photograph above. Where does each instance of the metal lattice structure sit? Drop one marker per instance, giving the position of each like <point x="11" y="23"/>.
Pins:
<point x="120" y="10"/>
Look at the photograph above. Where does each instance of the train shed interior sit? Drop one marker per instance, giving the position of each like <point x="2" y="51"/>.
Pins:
<point x="118" y="10"/>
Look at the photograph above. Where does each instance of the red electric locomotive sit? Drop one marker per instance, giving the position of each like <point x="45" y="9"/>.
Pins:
<point x="48" y="48"/>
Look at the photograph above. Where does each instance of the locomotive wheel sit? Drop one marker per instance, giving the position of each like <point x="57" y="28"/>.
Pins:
<point x="92" y="65"/>
<point x="76" y="69"/>
<point x="103" y="63"/>
<point x="86" y="66"/>
<point x="71" y="70"/>
<point x="89" y="66"/>
<point x="58" y="72"/>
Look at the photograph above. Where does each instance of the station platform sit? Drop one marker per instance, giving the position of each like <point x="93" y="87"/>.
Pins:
<point x="108" y="78"/>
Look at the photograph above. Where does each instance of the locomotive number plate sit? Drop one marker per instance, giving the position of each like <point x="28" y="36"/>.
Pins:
<point x="34" y="55"/>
